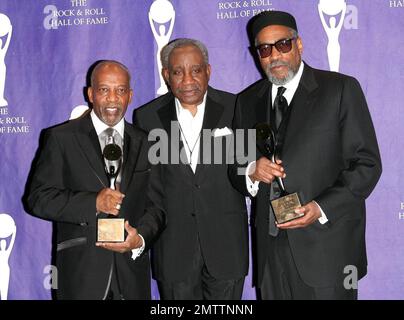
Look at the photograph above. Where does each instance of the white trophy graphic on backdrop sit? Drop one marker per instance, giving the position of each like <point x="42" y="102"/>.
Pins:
<point x="7" y="229"/>
<point x="333" y="8"/>
<point x="5" y="36"/>
<point x="161" y="13"/>
<point x="78" y="111"/>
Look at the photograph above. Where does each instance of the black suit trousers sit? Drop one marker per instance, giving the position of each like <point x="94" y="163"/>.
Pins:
<point x="201" y="285"/>
<point x="281" y="280"/>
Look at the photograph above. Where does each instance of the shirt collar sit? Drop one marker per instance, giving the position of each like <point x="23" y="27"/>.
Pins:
<point x="291" y="86"/>
<point x="101" y="126"/>
<point x="181" y="110"/>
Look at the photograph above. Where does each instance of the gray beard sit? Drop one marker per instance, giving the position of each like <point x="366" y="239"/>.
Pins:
<point x="280" y="81"/>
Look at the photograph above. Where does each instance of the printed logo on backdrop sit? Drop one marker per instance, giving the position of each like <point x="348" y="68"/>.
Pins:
<point x="6" y="30"/>
<point x="241" y="9"/>
<point x="401" y="212"/>
<point x="78" y="111"/>
<point x="8" y="123"/>
<point x="78" y="13"/>
<point x="335" y="14"/>
<point x="8" y="231"/>
<point x="161" y="19"/>
<point x="396" y="3"/>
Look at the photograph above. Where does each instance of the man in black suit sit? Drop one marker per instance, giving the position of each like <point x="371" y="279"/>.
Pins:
<point x="69" y="186"/>
<point x="203" y="252"/>
<point x="330" y="157"/>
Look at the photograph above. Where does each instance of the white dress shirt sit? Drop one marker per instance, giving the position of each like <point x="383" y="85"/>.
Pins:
<point x="190" y="129"/>
<point x="291" y="88"/>
<point x="120" y="127"/>
<point x="101" y="126"/>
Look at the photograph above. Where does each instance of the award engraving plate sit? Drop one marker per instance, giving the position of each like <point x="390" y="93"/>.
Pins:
<point x="111" y="230"/>
<point x="284" y="208"/>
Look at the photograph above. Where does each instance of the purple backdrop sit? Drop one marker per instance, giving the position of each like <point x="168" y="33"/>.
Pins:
<point x="53" y="42"/>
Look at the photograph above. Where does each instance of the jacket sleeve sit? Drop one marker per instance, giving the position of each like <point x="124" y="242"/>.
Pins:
<point x="243" y="148"/>
<point x="153" y="221"/>
<point x="361" y="159"/>
<point x="47" y="196"/>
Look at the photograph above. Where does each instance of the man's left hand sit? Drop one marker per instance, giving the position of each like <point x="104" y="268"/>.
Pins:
<point x="311" y="214"/>
<point x="132" y="241"/>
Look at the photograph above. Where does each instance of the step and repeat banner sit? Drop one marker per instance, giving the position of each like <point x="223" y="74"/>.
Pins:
<point x="47" y="46"/>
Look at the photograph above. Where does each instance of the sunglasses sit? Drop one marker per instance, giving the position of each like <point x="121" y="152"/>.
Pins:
<point x="283" y="46"/>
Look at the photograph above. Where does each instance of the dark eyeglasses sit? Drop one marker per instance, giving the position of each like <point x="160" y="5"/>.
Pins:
<point x="283" y="46"/>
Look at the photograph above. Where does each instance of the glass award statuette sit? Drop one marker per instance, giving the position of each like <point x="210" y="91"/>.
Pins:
<point x="284" y="206"/>
<point x="111" y="228"/>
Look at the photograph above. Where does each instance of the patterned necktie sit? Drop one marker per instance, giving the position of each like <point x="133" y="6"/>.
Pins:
<point x="110" y="135"/>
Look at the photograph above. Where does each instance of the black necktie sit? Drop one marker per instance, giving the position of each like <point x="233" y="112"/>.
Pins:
<point x="272" y="228"/>
<point x="280" y="106"/>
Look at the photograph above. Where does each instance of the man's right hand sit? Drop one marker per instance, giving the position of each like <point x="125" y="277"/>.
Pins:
<point x="266" y="170"/>
<point x="109" y="201"/>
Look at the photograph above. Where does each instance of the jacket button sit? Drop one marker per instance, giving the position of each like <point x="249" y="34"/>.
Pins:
<point x="193" y="214"/>
<point x="197" y="186"/>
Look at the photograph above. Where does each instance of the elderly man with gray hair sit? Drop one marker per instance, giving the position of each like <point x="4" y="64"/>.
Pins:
<point x="203" y="252"/>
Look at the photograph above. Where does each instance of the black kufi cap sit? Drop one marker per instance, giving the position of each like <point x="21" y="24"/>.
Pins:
<point x="269" y="18"/>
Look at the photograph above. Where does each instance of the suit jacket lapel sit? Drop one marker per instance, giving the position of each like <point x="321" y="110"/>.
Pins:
<point x="301" y="105"/>
<point x="213" y="113"/>
<point x="131" y="151"/>
<point x="262" y="103"/>
<point x="262" y="106"/>
<point x="167" y="114"/>
<point x="87" y="140"/>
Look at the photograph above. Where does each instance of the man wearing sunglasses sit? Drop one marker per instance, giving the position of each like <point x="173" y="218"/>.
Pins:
<point x="328" y="154"/>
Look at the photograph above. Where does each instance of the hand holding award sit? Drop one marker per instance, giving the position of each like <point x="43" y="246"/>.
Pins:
<point x="111" y="228"/>
<point x="284" y="206"/>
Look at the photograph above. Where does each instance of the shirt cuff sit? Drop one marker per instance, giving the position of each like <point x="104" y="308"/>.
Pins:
<point x="252" y="187"/>
<point x="323" y="219"/>
<point x="138" y="251"/>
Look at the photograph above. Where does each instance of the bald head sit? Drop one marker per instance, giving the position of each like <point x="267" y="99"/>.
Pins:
<point x="108" y="64"/>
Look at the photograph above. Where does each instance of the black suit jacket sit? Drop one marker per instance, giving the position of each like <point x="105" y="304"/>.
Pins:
<point x="65" y="180"/>
<point x="331" y="156"/>
<point x="203" y="204"/>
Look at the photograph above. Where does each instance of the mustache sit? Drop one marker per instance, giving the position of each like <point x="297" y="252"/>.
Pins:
<point x="193" y="88"/>
<point x="112" y="105"/>
<point x="278" y="63"/>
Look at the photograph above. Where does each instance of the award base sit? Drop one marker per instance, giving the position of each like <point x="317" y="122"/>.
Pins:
<point x="284" y="208"/>
<point x="110" y="230"/>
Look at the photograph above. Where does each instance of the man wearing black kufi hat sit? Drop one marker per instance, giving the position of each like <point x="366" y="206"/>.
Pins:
<point x="329" y="156"/>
